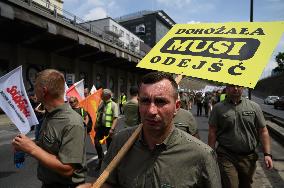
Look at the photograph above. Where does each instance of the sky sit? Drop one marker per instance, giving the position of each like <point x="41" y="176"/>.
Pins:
<point x="187" y="11"/>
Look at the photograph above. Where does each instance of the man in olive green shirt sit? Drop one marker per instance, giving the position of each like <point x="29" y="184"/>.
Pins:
<point x="185" y="121"/>
<point x="237" y="124"/>
<point x="131" y="113"/>
<point x="60" y="163"/>
<point x="162" y="156"/>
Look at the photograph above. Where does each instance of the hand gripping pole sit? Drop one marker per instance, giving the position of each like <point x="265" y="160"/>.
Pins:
<point x="117" y="158"/>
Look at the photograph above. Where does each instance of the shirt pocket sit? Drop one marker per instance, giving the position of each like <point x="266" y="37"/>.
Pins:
<point x="227" y="121"/>
<point x="227" y="118"/>
<point x="50" y="144"/>
<point x="248" y="117"/>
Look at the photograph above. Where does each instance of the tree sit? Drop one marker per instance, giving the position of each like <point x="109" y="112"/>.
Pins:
<point x="280" y="61"/>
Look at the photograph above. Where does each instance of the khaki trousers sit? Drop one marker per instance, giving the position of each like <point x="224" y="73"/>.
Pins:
<point x="236" y="170"/>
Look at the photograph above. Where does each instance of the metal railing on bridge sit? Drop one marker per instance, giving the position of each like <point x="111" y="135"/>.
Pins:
<point x="59" y="13"/>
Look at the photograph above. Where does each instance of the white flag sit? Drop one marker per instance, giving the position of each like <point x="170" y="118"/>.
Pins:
<point x="14" y="101"/>
<point x="93" y="90"/>
<point x="80" y="88"/>
<point x="66" y="89"/>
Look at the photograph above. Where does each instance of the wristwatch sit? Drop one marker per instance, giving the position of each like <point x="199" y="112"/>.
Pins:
<point x="267" y="154"/>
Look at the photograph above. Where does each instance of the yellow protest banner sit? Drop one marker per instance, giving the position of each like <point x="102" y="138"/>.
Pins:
<point x="234" y="53"/>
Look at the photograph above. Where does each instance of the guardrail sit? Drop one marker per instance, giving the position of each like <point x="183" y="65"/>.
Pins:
<point x="275" y="126"/>
<point x="69" y="18"/>
<point x="275" y="119"/>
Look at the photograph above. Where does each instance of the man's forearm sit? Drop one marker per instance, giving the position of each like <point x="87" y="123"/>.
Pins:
<point x="52" y="162"/>
<point x="212" y="136"/>
<point x="114" y="123"/>
<point x="264" y="136"/>
<point x="86" y="120"/>
<point x="265" y="140"/>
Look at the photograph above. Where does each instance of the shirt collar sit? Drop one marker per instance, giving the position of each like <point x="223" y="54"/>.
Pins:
<point x="58" y="108"/>
<point x="168" y="142"/>
<point x="231" y="102"/>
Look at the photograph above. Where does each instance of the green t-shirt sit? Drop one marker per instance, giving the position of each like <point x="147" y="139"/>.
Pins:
<point x="131" y="113"/>
<point x="184" y="102"/>
<point x="180" y="161"/>
<point x="61" y="130"/>
<point x="237" y="125"/>
<point x="185" y="121"/>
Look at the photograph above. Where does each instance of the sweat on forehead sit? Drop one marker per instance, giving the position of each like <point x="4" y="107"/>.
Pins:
<point x="160" y="88"/>
<point x="154" y="77"/>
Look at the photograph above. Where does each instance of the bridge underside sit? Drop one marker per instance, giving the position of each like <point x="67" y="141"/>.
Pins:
<point x="27" y="27"/>
<point x="37" y="40"/>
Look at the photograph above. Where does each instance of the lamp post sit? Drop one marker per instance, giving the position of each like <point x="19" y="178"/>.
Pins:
<point x="251" y="20"/>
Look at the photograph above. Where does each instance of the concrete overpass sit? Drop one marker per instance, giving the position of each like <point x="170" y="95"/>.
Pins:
<point x="38" y="38"/>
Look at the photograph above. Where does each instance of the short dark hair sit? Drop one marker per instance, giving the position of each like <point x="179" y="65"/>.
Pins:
<point x="133" y="90"/>
<point x="154" y="77"/>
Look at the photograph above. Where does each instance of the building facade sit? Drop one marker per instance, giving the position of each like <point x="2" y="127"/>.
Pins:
<point x="52" y="5"/>
<point x="37" y="40"/>
<point x="150" y="26"/>
<point x="113" y="31"/>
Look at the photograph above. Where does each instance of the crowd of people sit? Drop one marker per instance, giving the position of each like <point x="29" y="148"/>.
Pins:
<point x="167" y="152"/>
<point x="202" y="100"/>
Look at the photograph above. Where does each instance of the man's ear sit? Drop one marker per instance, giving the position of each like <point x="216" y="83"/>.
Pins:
<point x="45" y="91"/>
<point x="178" y="103"/>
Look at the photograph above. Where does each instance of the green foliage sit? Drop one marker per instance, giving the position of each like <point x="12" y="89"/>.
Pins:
<point x="280" y="61"/>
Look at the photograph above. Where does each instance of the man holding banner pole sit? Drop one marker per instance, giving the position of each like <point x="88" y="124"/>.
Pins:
<point x="60" y="163"/>
<point x="162" y="155"/>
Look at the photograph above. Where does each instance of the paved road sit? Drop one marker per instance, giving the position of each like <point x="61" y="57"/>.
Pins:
<point x="268" y="108"/>
<point x="263" y="178"/>
<point x="26" y="176"/>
